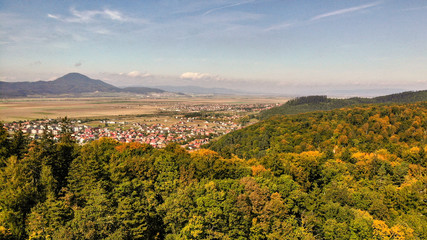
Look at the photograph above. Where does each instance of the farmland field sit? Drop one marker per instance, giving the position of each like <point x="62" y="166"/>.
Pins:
<point x="42" y="108"/>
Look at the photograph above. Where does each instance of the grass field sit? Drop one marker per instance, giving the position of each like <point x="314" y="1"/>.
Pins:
<point x="42" y="108"/>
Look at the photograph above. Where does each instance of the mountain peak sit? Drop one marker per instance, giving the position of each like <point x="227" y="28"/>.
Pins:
<point x="71" y="83"/>
<point x="73" y="77"/>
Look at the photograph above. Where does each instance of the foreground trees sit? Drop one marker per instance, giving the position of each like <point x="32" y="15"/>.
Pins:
<point x="347" y="174"/>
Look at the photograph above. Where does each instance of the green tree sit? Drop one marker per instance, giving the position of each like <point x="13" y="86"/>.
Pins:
<point x="18" y="194"/>
<point x="18" y="145"/>
<point x="96" y="220"/>
<point x="137" y="210"/>
<point x="4" y="143"/>
<point x="91" y="168"/>
<point x="47" y="217"/>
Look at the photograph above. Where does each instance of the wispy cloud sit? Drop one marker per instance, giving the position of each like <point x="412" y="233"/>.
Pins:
<point x="114" y="15"/>
<point x="345" y="11"/>
<point x="16" y="28"/>
<point x="83" y="24"/>
<point x="278" y="27"/>
<point x="226" y="6"/>
<point x="90" y="16"/>
<point x="87" y="16"/>
<point x="53" y="16"/>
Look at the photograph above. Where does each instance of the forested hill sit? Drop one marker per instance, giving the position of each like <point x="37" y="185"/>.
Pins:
<point x="404" y="97"/>
<point x="357" y="173"/>
<point x="319" y="103"/>
<point x="368" y="128"/>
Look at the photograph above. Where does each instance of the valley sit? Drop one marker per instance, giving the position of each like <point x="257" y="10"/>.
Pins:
<point x="189" y="122"/>
<point x="109" y="107"/>
<point x="208" y="120"/>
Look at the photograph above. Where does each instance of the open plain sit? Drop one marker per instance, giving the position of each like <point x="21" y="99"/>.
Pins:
<point x="44" y="108"/>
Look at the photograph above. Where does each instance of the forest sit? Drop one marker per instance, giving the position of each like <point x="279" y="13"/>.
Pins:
<point x="323" y="103"/>
<point x="349" y="173"/>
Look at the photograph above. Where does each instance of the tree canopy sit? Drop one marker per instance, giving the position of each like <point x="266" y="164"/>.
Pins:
<point x="352" y="173"/>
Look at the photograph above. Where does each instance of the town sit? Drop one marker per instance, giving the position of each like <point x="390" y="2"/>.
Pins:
<point x="196" y="125"/>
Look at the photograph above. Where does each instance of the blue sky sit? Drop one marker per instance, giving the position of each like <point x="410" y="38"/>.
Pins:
<point x="271" y="46"/>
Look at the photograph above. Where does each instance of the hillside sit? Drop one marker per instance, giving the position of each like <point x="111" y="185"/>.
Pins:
<point x="72" y="83"/>
<point x="353" y="173"/>
<point x="404" y="97"/>
<point x="367" y="128"/>
<point x="320" y="103"/>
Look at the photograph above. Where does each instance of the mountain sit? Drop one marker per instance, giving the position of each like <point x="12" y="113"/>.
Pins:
<point x="72" y="83"/>
<point x="142" y="90"/>
<point x="77" y="83"/>
<point x="198" y="90"/>
<point x="321" y="103"/>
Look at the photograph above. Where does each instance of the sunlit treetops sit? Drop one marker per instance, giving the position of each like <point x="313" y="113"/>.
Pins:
<point x="353" y="173"/>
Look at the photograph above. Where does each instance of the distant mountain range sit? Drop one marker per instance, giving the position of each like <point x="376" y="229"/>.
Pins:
<point x="198" y="90"/>
<point x="72" y="83"/>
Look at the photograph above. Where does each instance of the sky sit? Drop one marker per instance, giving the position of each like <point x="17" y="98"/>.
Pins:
<point x="266" y="46"/>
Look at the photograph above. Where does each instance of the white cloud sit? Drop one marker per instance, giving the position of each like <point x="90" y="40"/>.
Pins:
<point x="135" y="74"/>
<point x="114" y="15"/>
<point x="89" y="22"/>
<point x="200" y="76"/>
<point x="90" y="16"/>
<point x="194" y="75"/>
<point x="344" y="11"/>
<point x="53" y="16"/>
